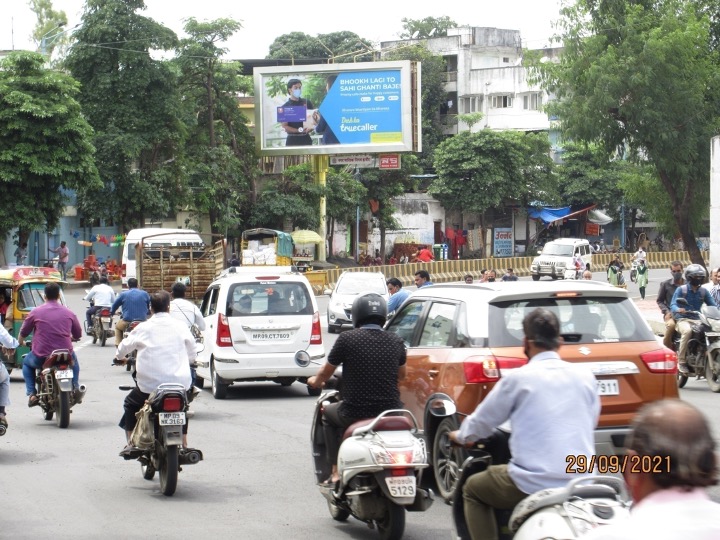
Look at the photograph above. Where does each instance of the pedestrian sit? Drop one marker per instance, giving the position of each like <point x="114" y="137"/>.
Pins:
<point x="397" y="294"/>
<point x="664" y="299"/>
<point x="63" y="254"/>
<point x="490" y="276"/>
<point x="422" y="279"/>
<point x="642" y="277"/>
<point x="468" y="279"/>
<point x="509" y="276"/>
<point x="21" y="254"/>
<point x="483" y="276"/>
<point x="587" y="274"/>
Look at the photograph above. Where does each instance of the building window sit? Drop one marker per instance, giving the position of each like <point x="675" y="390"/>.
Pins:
<point x="532" y="102"/>
<point x="470" y="104"/>
<point x="502" y="102"/>
<point x="506" y="60"/>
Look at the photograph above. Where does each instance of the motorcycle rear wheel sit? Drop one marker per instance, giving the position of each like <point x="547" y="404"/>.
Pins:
<point x="681" y="380"/>
<point x="713" y="379"/>
<point x="63" y="410"/>
<point x="338" y="514"/>
<point x="169" y="471"/>
<point x="392" y="525"/>
<point x="148" y="470"/>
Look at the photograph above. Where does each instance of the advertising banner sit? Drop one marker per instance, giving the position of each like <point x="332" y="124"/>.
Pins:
<point x="337" y="108"/>
<point x="503" y="242"/>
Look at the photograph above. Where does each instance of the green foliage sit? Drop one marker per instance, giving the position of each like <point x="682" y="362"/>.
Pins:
<point x="335" y="47"/>
<point x="427" y="27"/>
<point x="433" y="95"/>
<point x="344" y="195"/>
<point x="48" y="32"/>
<point x="292" y="197"/>
<point x="479" y="171"/>
<point x="45" y="143"/>
<point x="132" y="101"/>
<point x="643" y="75"/>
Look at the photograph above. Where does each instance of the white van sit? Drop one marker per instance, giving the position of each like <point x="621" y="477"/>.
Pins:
<point x="170" y="237"/>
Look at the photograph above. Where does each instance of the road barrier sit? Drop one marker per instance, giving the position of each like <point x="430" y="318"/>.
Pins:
<point x="455" y="270"/>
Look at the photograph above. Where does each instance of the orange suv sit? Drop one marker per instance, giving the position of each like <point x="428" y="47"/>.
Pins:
<point x="461" y="338"/>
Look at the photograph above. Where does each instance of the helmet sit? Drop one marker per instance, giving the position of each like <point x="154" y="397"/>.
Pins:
<point x="695" y="274"/>
<point x="369" y="308"/>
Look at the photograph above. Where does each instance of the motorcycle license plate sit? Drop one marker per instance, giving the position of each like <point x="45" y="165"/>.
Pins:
<point x="105" y="319"/>
<point x="172" y="418"/>
<point x="401" y="486"/>
<point x="608" y="387"/>
<point x="64" y="374"/>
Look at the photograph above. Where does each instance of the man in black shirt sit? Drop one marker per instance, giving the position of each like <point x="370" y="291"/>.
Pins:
<point x="664" y="297"/>
<point x="372" y="361"/>
<point x="296" y="133"/>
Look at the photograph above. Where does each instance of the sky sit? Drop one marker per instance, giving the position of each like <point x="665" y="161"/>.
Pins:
<point x="374" y="20"/>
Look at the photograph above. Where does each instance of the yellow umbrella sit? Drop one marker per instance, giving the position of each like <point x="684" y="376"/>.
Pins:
<point x="306" y="237"/>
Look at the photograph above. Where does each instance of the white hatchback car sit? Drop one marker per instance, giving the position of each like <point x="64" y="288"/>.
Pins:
<point x="256" y="319"/>
<point x="349" y="285"/>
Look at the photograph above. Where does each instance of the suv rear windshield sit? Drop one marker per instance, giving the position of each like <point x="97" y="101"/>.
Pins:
<point x="558" y="249"/>
<point x="268" y="298"/>
<point x="583" y="319"/>
<point x="361" y="284"/>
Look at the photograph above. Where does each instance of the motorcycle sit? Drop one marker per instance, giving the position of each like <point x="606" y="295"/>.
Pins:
<point x="101" y="327"/>
<point x="380" y="464"/>
<point x="633" y="271"/>
<point x="55" y="390"/>
<point x="159" y="436"/>
<point x="703" y="351"/>
<point x="566" y="512"/>
<point x="130" y="362"/>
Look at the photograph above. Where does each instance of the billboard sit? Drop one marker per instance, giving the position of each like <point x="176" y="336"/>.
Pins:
<point x="338" y="108"/>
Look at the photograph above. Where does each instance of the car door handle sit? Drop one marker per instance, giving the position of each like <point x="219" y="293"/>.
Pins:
<point x="433" y="372"/>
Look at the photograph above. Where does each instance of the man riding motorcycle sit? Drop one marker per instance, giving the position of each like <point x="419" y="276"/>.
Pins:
<point x="373" y="361"/>
<point x="135" y="307"/>
<point x="165" y="348"/>
<point x="695" y="295"/>
<point x="553" y="407"/>
<point x="53" y="326"/>
<point x="664" y="299"/>
<point x="102" y="295"/>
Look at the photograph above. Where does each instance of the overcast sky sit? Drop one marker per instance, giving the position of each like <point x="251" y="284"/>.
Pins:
<point x="375" y="20"/>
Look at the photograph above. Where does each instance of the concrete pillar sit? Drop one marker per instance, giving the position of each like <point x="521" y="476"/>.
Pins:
<point x="715" y="202"/>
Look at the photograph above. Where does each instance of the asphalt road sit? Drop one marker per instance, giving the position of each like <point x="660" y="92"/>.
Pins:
<point x="256" y="481"/>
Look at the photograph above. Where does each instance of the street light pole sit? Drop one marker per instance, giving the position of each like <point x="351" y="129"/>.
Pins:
<point x="46" y="38"/>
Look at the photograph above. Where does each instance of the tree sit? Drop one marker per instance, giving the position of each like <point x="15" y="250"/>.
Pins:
<point x="483" y="170"/>
<point x="48" y="31"/>
<point x="45" y="144"/>
<point x="427" y="27"/>
<point x="434" y="96"/>
<point x="221" y="160"/>
<point x="343" y="197"/>
<point x="335" y="47"/>
<point x="642" y="75"/>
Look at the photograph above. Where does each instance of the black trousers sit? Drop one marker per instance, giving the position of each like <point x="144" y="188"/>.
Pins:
<point x="334" y="425"/>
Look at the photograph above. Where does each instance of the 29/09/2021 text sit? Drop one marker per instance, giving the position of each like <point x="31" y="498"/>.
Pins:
<point x="614" y="464"/>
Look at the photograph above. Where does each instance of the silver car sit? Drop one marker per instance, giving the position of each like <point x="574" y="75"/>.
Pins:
<point x="348" y="287"/>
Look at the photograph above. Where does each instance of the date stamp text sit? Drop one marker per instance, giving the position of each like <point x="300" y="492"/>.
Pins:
<point x="582" y="464"/>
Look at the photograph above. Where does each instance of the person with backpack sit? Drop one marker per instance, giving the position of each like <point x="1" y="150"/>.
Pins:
<point x="695" y="295"/>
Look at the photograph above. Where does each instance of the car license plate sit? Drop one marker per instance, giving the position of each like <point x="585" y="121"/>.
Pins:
<point x="64" y="374"/>
<point x="401" y="486"/>
<point x="608" y="387"/>
<point x="172" y="418"/>
<point x="269" y="336"/>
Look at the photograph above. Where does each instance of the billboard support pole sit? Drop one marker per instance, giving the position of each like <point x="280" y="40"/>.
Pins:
<point x="320" y="164"/>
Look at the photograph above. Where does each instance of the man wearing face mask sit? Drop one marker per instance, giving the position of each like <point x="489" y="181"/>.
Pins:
<point x="297" y="135"/>
<point x="664" y="298"/>
<point x="695" y="295"/>
<point x="536" y="399"/>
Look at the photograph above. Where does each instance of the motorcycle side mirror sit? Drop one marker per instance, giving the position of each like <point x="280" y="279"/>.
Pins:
<point x="442" y="407"/>
<point x="302" y="358"/>
<point x="682" y="301"/>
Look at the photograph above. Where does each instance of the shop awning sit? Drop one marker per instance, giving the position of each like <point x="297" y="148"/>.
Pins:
<point x="550" y="215"/>
<point x="596" y="216"/>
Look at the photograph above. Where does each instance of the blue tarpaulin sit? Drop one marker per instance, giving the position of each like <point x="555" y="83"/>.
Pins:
<point x="549" y="215"/>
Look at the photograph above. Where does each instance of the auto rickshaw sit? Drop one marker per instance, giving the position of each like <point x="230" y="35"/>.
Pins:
<point x="22" y="288"/>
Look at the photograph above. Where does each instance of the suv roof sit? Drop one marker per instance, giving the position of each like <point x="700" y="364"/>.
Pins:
<point x="569" y="241"/>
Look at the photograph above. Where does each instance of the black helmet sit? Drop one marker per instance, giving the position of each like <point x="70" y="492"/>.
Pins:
<point x="369" y="308"/>
<point x="696" y="272"/>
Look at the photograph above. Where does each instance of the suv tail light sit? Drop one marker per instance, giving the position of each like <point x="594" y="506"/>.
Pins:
<point x="123" y="269"/>
<point x="484" y="369"/>
<point x="223" y="339"/>
<point x="660" y="361"/>
<point x="172" y="404"/>
<point x="316" y="332"/>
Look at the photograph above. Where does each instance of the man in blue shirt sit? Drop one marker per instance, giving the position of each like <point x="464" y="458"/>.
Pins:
<point x="695" y="295"/>
<point x="422" y="279"/>
<point x="397" y="294"/>
<point x="135" y="307"/>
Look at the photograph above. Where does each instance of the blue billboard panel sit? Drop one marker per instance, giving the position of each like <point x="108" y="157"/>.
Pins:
<point x="338" y="109"/>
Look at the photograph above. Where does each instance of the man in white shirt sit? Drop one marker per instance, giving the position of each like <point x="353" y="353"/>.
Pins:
<point x="9" y="344"/>
<point x="671" y="462"/>
<point x="102" y="295"/>
<point x="714" y="285"/>
<point x="165" y="348"/>
<point x="553" y="407"/>
<point x="640" y="254"/>
<point x="184" y="310"/>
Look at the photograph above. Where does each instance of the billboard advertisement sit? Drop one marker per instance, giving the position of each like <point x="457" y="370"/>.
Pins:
<point x="503" y="242"/>
<point x="338" y="108"/>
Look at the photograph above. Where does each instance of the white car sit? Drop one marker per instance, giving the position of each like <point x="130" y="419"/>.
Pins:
<point x="349" y="285"/>
<point x="256" y="319"/>
<point x="557" y="259"/>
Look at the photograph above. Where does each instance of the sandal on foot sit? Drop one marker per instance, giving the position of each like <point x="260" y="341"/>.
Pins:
<point x="33" y="400"/>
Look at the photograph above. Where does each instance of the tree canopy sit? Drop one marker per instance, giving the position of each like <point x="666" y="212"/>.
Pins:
<point x="335" y="47"/>
<point x="642" y="76"/>
<point x="427" y="27"/>
<point x="45" y="144"/>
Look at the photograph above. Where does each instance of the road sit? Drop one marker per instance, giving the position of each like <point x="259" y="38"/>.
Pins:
<point x="256" y="481"/>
